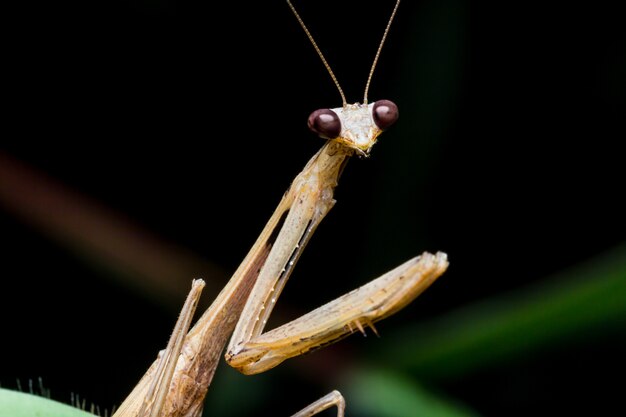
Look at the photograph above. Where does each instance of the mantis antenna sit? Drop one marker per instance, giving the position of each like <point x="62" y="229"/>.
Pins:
<point x="327" y="66"/>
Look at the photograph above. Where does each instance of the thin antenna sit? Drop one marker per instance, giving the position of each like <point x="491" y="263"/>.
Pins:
<point x="319" y="52"/>
<point x="330" y="71"/>
<point x="380" y="47"/>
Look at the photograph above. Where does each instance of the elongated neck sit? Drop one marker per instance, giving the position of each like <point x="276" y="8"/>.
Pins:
<point x="327" y="164"/>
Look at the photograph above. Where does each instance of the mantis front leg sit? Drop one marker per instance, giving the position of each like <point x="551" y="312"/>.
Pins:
<point x="309" y="199"/>
<point x="333" y="321"/>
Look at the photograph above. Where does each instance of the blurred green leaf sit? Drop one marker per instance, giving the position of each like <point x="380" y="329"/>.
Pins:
<point x="583" y="301"/>
<point x="380" y="393"/>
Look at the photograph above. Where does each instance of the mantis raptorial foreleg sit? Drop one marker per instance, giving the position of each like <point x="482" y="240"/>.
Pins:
<point x="242" y="308"/>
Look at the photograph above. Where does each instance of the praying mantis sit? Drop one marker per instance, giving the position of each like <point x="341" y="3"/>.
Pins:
<point x="177" y="382"/>
<point x="175" y="385"/>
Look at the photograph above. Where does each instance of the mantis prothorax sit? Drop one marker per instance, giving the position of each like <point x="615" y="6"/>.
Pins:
<point x="176" y="384"/>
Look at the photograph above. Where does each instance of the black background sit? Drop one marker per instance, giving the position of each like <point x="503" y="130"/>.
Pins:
<point x="189" y="118"/>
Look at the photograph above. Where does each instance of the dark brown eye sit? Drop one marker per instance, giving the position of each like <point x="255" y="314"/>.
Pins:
<point x="325" y="123"/>
<point x="385" y="113"/>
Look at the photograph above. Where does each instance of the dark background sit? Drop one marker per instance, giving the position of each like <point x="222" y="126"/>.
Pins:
<point x="189" y="120"/>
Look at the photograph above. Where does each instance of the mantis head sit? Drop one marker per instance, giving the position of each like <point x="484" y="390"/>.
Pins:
<point x="355" y="126"/>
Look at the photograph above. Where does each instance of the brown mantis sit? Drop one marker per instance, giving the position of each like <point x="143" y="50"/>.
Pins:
<point x="176" y="384"/>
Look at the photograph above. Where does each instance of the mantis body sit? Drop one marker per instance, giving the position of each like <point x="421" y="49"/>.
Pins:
<point x="176" y="384"/>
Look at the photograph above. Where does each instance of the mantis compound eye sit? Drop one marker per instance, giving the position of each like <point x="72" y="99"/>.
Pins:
<point x="385" y="113"/>
<point x="325" y="123"/>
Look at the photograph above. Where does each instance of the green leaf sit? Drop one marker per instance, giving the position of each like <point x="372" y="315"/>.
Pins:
<point x="387" y="394"/>
<point x="585" y="301"/>
<point x="21" y="404"/>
